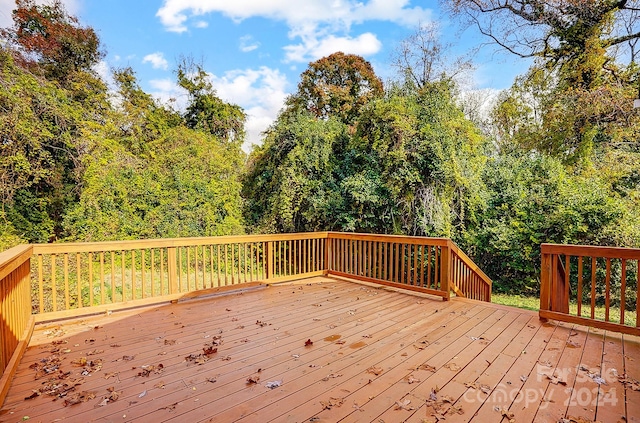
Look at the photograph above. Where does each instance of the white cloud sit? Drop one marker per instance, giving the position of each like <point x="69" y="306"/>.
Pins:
<point x="157" y="60"/>
<point x="247" y="44"/>
<point x="313" y="48"/>
<point x="260" y="92"/>
<point x="201" y="24"/>
<point x="322" y="26"/>
<point x="174" y="14"/>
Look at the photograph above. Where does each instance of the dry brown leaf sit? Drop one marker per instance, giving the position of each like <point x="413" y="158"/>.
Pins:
<point x="253" y="379"/>
<point x="331" y="376"/>
<point x="427" y="367"/>
<point x="112" y="374"/>
<point x="456" y="409"/>
<point x="78" y="397"/>
<point x="403" y="405"/>
<point x="308" y="343"/>
<point x="485" y="389"/>
<point x="169" y="341"/>
<point x="556" y="380"/>
<point x="452" y="366"/>
<point x="159" y="385"/>
<point x="332" y="402"/>
<point x="411" y="379"/>
<point x="80" y="361"/>
<point x="375" y="370"/>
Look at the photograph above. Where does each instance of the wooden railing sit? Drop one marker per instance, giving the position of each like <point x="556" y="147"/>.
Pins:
<point x="431" y="265"/>
<point x="593" y="286"/>
<point x="78" y="278"/>
<point x="16" y="322"/>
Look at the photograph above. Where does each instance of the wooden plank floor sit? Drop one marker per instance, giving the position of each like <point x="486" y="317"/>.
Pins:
<point x="377" y="355"/>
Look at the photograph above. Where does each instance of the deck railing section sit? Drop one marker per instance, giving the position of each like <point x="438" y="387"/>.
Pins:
<point x="70" y="277"/>
<point x="16" y="322"/>
<point x="431" y="265"/>
<point x="467" y="279"/>
<point x="593" y="286"/>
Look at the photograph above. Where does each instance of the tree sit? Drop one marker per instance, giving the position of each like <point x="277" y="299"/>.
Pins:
<point x="141" y="119"/>
<point x="570" y="35"/>
<point x="206" y="111"/>
<point x="337" y="85"/>
<point x="422" y="58"/>
<point x="186" y="184"/>
<point x="53" y="39"/>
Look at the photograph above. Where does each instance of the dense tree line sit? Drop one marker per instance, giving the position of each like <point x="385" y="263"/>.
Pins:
<point x="557" y="161"/>
<point x="81" y="163"/>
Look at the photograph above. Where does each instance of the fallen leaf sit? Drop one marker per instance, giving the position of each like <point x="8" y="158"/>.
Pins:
<point x="78" y="397"/>
<point x="112" y="374"/>
<point x="375" y="370"/>
<point x="427" y="367"/>
<point x="629" y="383"/>
<point x="308" y="343"/>
<point x="332" y="402"/>
<point x="411" y="379"/>
<point x="571" y="344"/>
<point x="169" y="341"/>
<point x="452" y="366"/>
<point x="253" y="379"/>
<point x="159" y="385"/>
<point x="403" y="405"/>
<point x="331" y="376"/>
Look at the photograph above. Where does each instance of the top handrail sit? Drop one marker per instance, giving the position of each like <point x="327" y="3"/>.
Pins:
<point x="591" y="251"/>
<point x="12" y="258"/>
<point x="85" y="247"/>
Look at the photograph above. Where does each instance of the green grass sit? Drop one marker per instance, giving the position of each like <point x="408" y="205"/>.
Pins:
<point x="533" y="303"/>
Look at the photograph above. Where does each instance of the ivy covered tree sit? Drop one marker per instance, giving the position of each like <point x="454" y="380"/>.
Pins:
<point x="337" y="85"/>
<point x="49" y="37"/>
<point x="206" y="111"/>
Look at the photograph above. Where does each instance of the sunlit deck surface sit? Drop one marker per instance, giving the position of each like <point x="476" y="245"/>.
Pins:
<point x="376" y="355"/>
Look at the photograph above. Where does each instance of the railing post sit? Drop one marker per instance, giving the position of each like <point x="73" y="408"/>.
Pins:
<point x="270" y="260"/>
<point x="172" y="270"/>
<point x="559" y="297"/>
<point x="445" y="271"/>
<point x="328" y="254"/>
<point x="545" y="281"/>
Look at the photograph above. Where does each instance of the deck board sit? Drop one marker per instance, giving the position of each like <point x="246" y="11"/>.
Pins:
<point x="478" y="359"/>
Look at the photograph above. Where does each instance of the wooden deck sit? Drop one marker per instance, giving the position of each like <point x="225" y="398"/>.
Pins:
<point x="373" y="354"/>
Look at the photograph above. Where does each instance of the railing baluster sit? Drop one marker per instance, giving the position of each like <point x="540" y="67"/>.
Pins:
<point x="623" y="288"/>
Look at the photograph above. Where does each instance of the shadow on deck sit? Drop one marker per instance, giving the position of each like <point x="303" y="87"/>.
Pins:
<point x="325" y="350"/>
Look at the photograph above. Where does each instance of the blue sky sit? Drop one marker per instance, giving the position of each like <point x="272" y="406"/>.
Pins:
<point x="255" y="50"/>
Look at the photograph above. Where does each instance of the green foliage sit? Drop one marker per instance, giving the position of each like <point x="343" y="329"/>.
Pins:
<point x="186" y="186"/>
<point x="411" y="165"/>
<point x="290" y="185"/>
<point x="208" y="112"/>
<point x="531" y="200"/>
<point x="338" y="85"/>
<point x="40" y="151"/>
